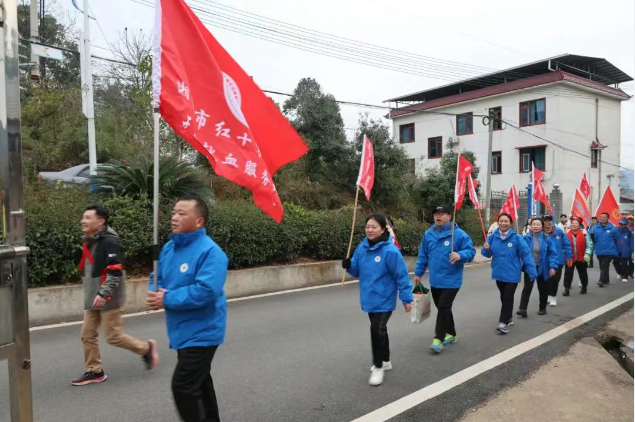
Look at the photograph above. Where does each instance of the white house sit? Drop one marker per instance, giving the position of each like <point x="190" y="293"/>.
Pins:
<point x="566" y="110"/>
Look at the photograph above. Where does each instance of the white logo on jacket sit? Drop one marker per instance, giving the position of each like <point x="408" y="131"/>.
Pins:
<point x="377" y="258"/>
<point x="184" y="267"/>
<point x="510" y="244"/>
<point x="446" y="243"/>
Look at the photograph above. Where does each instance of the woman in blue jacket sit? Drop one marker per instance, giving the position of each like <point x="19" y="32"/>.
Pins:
<point x="382" y="272"/>
<point x="545" y="257"/>
<point x="510" y="255"/>
<point x="624" y="250"/>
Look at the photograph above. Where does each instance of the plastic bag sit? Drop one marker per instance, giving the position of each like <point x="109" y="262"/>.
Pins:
<point x="421" y="304"/>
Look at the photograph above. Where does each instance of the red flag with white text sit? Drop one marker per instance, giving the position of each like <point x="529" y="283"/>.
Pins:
<point x="209" y="100"/>
<point x="609" y="205"/>
<point x="579" y="208"/>
<point x="471" y="189"/>
<point x="511" y="204"/>
<point x="366" y="178"/>
<point x="463" y="169"/>
<point x="539" y="190"/>
<point x="585" y="188"/>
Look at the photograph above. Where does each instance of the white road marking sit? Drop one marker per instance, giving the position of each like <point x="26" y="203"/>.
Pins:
<point x="397" y="407"/>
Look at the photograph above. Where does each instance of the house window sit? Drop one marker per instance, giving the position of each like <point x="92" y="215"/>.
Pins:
<point x="497" y="162"/>
<point x="532" y="112"/>
<point x="407" y="133"/>
<point x="497" y="112"/>
<point x="594" y="158"/>
<point x="529" y="155"/>
<point x="464" y="124"/>
<point x="435" y="147"/>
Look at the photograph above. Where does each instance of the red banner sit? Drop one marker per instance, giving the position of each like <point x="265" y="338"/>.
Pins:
<point x="366" y="178"/>
<point x="539" y="190"/>
<point x="609" y="205"/>
<point x="580" y="209"/>
<point x="206" y="97"/>
<point x="585" y="188"/>
<point x="511" y="204"/>
<point x="471" y="188"/>
<point x="463" y="169"/>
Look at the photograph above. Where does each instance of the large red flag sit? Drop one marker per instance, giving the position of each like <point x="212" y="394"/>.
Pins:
<point x="609" y="205"/>
<point x="366" y="177"/>
<point x="463" y="169"/>
<point x="539" y="190"/>
<point x="579" y="208"/>
<point x="471" y="189"/>
<point x="205" y="96"/>
<point x="585" y="188"/>
<point x="511" y="204"/>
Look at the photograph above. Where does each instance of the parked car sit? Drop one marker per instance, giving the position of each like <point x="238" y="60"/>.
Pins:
<point x="78" y="175"/>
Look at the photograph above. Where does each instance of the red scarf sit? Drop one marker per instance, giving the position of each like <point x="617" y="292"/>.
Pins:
<point x="85" y="255"/>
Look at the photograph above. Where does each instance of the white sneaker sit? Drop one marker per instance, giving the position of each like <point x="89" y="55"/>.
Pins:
<point x="579" y="283"/>
<point x="554" y="302"/>
<point x="386" y="366"/>
<point x="550" y="300"/>
<point x="625" y="280"/>
<point x="376" y="377"/>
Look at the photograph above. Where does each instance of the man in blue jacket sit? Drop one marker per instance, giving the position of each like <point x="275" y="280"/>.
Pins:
<point x="624" y="251"/>
<point x="192" y="273"/>
<point x="446" y="262"/>
<point x="565" y="255"/>
<point x="604" y="235"/>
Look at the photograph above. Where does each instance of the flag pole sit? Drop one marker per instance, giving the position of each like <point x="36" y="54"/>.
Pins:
<point x="155" y="228"/>
<point x="453" y="224"/>
<point x="350" y="241"/>
<point x="480" y="217"/>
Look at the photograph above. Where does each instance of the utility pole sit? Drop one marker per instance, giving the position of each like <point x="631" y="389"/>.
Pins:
<point x="88" y="89"/>
<point x="35" y="37"/>
<point x="488" y="176"/>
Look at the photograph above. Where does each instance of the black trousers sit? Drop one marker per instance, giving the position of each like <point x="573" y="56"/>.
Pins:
<point x="630" y="267"/>
<point x="192" y="385"/>
<point x="591" y="262"/>
<point x="379" y="337"/>
<point x="581" y="266"/>
<point x="605" y="262"/>
<point x="529" y="286"/>
<point x="507" y="291"/>
<point x="443" y="300"/>
<point x="621" y="266"/>
<point x="554" y="282"/>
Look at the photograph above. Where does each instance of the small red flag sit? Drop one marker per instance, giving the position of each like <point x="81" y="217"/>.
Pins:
<point x="539" y="190"/>
<point x="609" y="205"/>
<point x="579" y="208"/>
<point x="366" y="178"/>
<point x="471" y="188"/>
<point x="511" y="204"/>
<point x="463" y="169"/>
<point x="205" y="96"/>
<point x="585" y="188"/>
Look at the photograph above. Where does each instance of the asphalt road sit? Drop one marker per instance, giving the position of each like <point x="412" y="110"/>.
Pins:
<point x="301" y="356"/>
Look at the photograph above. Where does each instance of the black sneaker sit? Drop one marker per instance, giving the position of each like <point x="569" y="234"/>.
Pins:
<point x="566" y="292"/>
<point x="151" y="359"/>
<point x="600" y="284"/>
<point x="522" y="313"/>
<point x="542" y="312"/>
<point x="90" y="377"/>
<point x="583" y="291"/>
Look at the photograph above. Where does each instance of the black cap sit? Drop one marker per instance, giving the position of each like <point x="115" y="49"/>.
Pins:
<point x="442" y="208"/>
<point x="547" y="217"/>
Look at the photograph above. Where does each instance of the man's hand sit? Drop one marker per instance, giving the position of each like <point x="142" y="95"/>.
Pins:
<point x="99" y="302"/>
<point x="486" y="245"/>
<point x="454" y="257"/>
<point x="155" y="300"/>
<point x="408" y="307"/>
<point x="552" y="272"/>
<point x="417" y="280"/>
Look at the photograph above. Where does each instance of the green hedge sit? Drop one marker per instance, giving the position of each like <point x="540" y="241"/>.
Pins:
<point x="248" y="236"/>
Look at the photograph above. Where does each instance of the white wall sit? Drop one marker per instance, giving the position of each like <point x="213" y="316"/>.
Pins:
<point x="570" y="122"/>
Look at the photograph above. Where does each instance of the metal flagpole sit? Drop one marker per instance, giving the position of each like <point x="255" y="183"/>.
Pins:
<point x="155" y="228"/>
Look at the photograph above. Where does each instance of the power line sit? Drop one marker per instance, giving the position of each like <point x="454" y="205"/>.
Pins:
<point x="102" y="31"/>
<point x="68" y="50"/>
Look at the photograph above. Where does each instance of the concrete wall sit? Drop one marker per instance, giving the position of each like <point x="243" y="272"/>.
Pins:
<point x="570" y="122"/>
<point x="49" y="305"/>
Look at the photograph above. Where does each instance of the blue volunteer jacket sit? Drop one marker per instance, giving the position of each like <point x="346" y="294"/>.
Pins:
<point x="548" y="253"/>
<point x="510" y="257"/>
<point x="605" y="239"/>
<point x="434" y="252"/>
<point x="193" y="270"/>
<point x="382" y="272"/>
<point x="624" y="243"/>
<point x="562" y="243"/>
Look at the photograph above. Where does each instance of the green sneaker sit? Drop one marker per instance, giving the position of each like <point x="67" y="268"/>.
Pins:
<point x="437" y="345"/>
<point x="449" y="339"/>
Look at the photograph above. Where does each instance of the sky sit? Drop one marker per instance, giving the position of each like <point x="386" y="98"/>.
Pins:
<point x="496" y="34"/>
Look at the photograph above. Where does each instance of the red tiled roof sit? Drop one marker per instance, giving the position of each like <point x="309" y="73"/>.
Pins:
<point x="516" y="85"/>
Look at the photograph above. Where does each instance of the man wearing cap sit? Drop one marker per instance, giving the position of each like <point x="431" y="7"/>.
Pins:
<point x="604" y="235"/>
<point x="624" y="250"/>
<point x="563" y="246"/>
<point x="445" y="253"/>
<point x="582" y="250"/>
